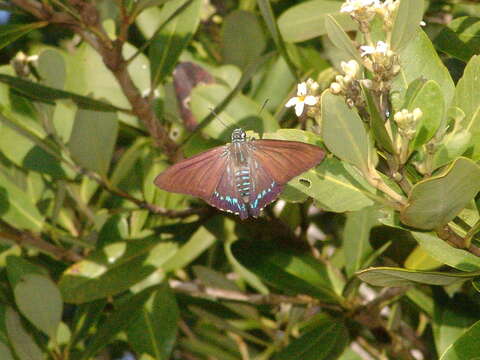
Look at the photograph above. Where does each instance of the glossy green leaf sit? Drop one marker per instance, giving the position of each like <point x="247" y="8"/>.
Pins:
<point x="10" y="33"/>
<point x="450" y="321"/>
<point x="243" y="40"/>
<point x="459" y="38"/>
<point x="154" y="331"/>
<point x="420" y="60"/>
<point x="461" y="139"/>
<point x="406" y="23"/>
<point x="17" y="208"/>
<point x="441" y="251"/>
<point x="466" y="347"/>
<point x="5" y="353"/>
<point x="169" y="43"/>
<point x="420" y="259"/>
<point x="336" y="186"/>
<point x="377" y="123"/>
<point x="356" y="238"/>
<point x="22" y="342"/>
<point x="49" y="95"/>
<point x="390" y="276"/>
<point x="326" y="341"/>
<point x="93" y="139"/>
<point x="292" y="273"/>
<point x="307" y="20"/>
<point x="467" y="88"/>
<point x="126" y="311"/>
<point x="340" y="39"/>
<point x="269" y="17"/>
<point x="435" y="201"/>
<point x="24" y="144"/>
<point x="343" y="131"/>
<point x="200" y="241"/>
<point x="429" y="99"/>
<point x="39" y="300"/>
<point x="52" y="69"/>
<point x="240" y="112"/>
<point x="114" y="269"/>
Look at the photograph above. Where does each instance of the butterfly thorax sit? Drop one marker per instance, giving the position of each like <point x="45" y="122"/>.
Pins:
<point x="240" y="152"/>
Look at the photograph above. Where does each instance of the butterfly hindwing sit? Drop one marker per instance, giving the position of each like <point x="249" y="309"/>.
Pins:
<point x="226" y="196"/>
<point x="197" y="176"/>
<point x="264" y="188"/>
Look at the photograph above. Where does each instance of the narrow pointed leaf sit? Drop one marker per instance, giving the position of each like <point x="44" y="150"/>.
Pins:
<point x="340" y="39"/>
<point x="390" y="276"/>
<point x="466" y="347"/>
<point x="10" y="33"/>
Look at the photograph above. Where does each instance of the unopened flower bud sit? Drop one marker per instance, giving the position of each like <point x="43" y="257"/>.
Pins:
<point x="335" y="88"/>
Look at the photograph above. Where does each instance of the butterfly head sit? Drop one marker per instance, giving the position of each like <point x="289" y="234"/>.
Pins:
<point x="238" y="135"/>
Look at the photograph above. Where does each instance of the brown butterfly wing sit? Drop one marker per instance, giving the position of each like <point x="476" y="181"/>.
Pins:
<point x="283" y="160"/>
<point x="197" y="176"/>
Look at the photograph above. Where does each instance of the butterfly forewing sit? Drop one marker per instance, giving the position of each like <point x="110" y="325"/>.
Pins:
<point x="197" y="176"/>
<point x="284" y="160"/>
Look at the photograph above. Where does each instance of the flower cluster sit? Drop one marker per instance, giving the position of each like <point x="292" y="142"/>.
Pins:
<point x="407" y="122"/>
<point x="306" y="95"/>
<point x="348" y="85"/>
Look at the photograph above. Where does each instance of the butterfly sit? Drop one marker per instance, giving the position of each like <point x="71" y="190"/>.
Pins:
<point x="243" y="176"/>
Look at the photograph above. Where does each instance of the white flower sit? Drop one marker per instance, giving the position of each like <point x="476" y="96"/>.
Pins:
<point x="381" y="48"/>
<point x="351" y="6"/>
<point x="350" y="68"/>
<point x="423" y="23"/>
<point x="301" y="99"/>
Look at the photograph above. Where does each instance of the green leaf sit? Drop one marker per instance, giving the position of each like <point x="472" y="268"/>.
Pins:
<point x="343" y="131"/>
<point x="169" y="43"/>
<point x="340" y="39"/>
<point x="269" y="17"/>
<point x="435" y="201"/>
<point x="336" y="186"/>
<point x="10" y="33"/>
<point x="114" y="269"/>
<point x="154" y="331"/>
<point x="429" y="99"/>
<point x="291" y="272"/>
<point x="51" y="67"/>
<point x="377" y="123"/>
<point x="466" y="347"/>
<point x="240" y="112"/>
<point x="406" y="23"/>
<point x="22" y="342"/>
<point x="50" y="95"/>
<point x="450" y="321"/>
<point x="390" y="276"/>
<point x="5" y="353"/>
<point x="420" y="259"/>
<point x="243" y="40"/>
<point x="306" y="20"/>
<point x="200" y="241"/>
<point x="459" y="38"/>
<point x="420" y="60"/>
<point x="356" y="238"/>
<point x="467" y="88"/>
<point x="440" y="250"/>
<point x="39" y="300"/>
<point x="93" y="139"/>
<point x="126" y="311"/>
<point x="17" y="208"/>
<point x="325" y="341"/>
<point x="23" y="144"/>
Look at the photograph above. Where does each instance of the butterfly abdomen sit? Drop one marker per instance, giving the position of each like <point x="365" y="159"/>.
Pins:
<point x="243" y="182"/>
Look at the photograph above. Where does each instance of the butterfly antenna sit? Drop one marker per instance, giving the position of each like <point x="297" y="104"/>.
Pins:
<point x="212" y="110"/>
<point x="264" y="105"/>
